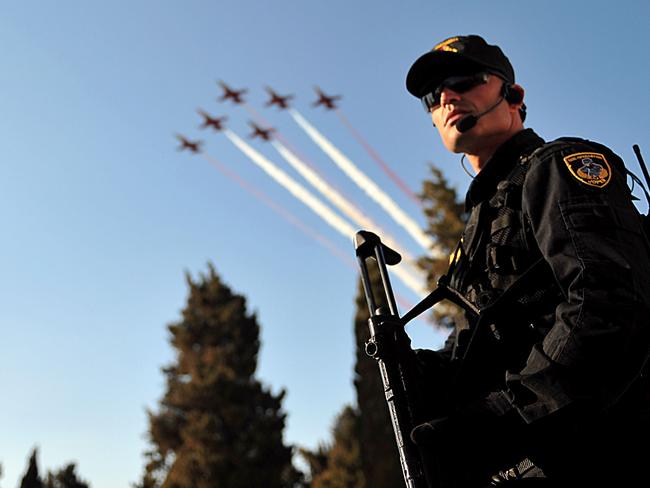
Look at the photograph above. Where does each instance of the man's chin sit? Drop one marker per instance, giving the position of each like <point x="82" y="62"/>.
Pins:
<point x="456" y="142"/>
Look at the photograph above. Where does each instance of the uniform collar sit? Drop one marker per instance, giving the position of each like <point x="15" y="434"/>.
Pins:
<point x="500" y="164"/>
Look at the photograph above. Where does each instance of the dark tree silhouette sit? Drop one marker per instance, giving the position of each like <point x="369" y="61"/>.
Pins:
<point x="216" y="425"/>
<point x="338" y="465"/>
<point x="31" y="479"/>
<point x="66" y="477"/>
<point x="445" y="215"/>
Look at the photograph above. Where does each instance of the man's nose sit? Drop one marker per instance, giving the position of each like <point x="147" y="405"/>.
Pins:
<point x="447" y="96"/>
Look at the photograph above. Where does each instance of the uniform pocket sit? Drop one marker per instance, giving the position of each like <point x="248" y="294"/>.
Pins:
<point x="600" y="231"/>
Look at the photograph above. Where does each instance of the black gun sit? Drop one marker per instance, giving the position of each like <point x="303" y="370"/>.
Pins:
<point x="390" y="346"/>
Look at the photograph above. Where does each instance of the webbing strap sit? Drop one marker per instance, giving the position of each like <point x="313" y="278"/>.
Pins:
<point x="444" y="292"/>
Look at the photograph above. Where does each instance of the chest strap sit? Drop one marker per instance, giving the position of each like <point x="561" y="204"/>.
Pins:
<point x="444" y="292"/>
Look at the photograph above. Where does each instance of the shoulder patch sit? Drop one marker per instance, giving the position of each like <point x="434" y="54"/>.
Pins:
<point x="590" y="168"/>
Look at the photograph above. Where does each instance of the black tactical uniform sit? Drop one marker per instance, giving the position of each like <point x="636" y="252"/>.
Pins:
<point x="554" y="271"/>
<point x="555" y="225"/>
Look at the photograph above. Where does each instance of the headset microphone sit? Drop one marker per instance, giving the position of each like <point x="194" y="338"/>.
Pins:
<point x="469" y="121"/>
<point x="466" y="123"/>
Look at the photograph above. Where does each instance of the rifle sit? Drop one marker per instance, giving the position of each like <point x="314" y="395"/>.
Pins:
<point x="390" y="346"/>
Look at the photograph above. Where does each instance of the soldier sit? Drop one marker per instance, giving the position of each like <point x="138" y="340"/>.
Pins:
<point x="546" y="379"/>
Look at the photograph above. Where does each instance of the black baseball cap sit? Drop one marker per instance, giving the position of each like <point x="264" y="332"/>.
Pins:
<point x="458" y="55"/>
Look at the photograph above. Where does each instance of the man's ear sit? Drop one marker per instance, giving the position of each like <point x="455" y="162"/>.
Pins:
<point x="517" y="103"/>
<point x="514" y="94"/>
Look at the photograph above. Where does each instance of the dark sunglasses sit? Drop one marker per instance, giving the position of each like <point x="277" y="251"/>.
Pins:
<point x="459" y="84"/>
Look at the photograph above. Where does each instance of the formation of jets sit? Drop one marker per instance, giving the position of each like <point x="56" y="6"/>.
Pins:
<point x="282" y="101"/>
<point x="236" y="96"/>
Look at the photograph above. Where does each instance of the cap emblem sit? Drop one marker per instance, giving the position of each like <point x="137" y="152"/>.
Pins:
<point x="445" y="45"/>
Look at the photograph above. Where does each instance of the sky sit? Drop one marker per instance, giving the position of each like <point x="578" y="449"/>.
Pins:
<point x="103" y="216"/>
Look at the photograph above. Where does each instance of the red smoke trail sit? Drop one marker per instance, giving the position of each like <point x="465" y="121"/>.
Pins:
<point x="373" y="154"/>
<point x="283" y="212"/>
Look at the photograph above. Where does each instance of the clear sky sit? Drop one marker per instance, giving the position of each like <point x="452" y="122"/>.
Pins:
<point x="102" y="216"/>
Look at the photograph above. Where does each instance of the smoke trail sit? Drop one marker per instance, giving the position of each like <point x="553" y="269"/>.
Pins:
<point x="278" y="135"/>
<point x="317" y="180"/>
<point x="283" y="212"/>
<point x="295" y="221"/>
<point x="292" y="186"/>
<point x="367" y="185"/>
<point x="377" y="158"/>
<point x="344" y="205"/>
<point x="313" y="203"/>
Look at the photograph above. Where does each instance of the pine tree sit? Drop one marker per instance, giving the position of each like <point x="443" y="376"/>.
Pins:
<point x="378" y="451"/>
<point x="31" y="479"/>
<point x="445" y="215"/>
<point x="66" y="477"/>
<point x="216" y="425"/>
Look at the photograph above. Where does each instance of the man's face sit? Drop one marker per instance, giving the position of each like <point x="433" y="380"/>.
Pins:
<point x="454" y="106"/>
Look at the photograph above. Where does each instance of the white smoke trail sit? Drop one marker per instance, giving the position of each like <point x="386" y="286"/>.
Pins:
<point x="378" y="159"/>
<point x="311" y="174"/>
<point x="278" y="136"/>
<point x="292" y="186"/>
<point x="280" y="210"/>
<point x="367" y="185"/>
<point x="323" y="211"/>
<point x="344" y="205"/>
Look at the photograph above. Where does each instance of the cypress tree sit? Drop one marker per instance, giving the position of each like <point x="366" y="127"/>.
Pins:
<point x="216" y="425"/>
<point x="31" y="479"/>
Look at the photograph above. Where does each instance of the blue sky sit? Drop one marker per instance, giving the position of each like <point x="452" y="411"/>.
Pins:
<point x="102" y="216"/>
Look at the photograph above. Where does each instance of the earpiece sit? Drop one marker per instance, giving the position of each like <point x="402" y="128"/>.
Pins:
<point x="511" y="94"/>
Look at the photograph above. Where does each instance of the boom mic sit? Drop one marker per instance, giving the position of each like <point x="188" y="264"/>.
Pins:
<point x="466" y="123"/>
<point x="469" y="121"/>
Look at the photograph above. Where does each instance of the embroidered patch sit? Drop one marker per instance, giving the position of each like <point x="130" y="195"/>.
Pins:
<point x="589" y="168"/>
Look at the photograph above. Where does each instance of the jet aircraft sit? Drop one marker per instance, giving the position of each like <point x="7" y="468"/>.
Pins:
<point x="194" y="146"/>
<point x="265" y="134"/>
<point x="229" y="93"/>
<point x="281" y="101"/>
<point x="326" y="101"/>
<point x="208" y="121"/>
